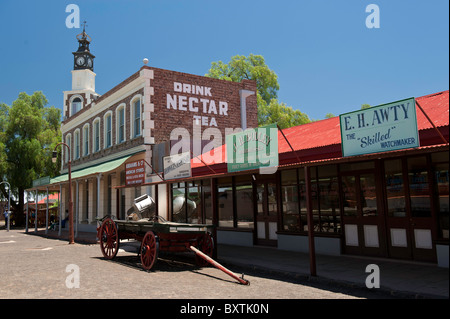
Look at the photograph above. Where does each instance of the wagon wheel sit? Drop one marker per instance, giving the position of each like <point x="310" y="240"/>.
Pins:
<point x="149" y="250"/>
<point x="109" y="238"/>
<point x="206" y="246"/>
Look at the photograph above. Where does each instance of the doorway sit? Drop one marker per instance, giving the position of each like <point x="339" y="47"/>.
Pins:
<point x="362" y="217"/>
<point x="410" y="218"/>
<point x="266" y="213"/>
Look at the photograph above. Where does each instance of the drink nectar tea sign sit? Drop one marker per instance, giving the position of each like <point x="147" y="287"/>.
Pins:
<point x="382" y="128"/>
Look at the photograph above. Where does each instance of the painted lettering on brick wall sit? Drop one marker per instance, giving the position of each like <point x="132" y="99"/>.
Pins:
<point x="381" y="128"/>
<point x="203" y="106"/>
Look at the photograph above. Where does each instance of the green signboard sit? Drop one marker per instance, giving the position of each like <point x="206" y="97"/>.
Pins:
<point x="41" y="181"/>
<point x="253" y="149"/>
<point x="382" y="128"/>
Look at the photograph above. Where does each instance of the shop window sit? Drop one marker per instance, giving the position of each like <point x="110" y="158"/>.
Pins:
<point x="368" y="193"/>
<point x="186" y="202"/>
<point x="207" y="202"/>
<point x="225" y="202"/>
<point x="290" y="200"/>
<point x="325" y="199"/>
<point x="395" y="188"/>
<point x="441" y="192"/>
<point x="419" y="190"/>
<point x="349" y="195"/>
<point x="244" y="201"/>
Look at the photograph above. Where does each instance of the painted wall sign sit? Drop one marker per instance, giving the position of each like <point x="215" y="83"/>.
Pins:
<point x="177" y="166"/>
<point x="134" y="173"/>
<point x="382" y="128"/>
<point x="252" y="149"/>
<point x="203" y="104"/>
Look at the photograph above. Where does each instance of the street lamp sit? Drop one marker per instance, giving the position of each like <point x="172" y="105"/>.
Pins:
<point x="54" y="156"/>
<point x="9" y="205"/>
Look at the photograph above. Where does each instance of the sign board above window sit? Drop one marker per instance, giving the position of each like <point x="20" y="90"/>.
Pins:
<point x="253" y="149"/>
<point x="382" y="128"/>
<point x="177" y="166"/>
<point x="134" y="173"/>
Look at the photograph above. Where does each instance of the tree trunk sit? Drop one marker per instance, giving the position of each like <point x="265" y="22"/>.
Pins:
<point x="19" y="215"/>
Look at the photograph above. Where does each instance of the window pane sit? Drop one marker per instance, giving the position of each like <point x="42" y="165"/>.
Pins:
<point x="108" y="131"/>
<point x="121" y="124"/>
<point x="97" y="135"/>
<point x="368" y="195"/>
<point x="137" y="118"/>
<point x="395" y="192"/>
<point x="349" y="195"/>
<point x="289" y="177"/>
<point x="194" y="210"/>
<point x="289" y="202"/>
<point x="272" y="199"/>
<point x="441" y="181"/>
<point x="329" y="205"/>
<point x="244" y="207"/>
<point x="178" y="205"/>
<point x="418" y="187"/>
<point x="208" y="202"/>
<point x="225" y="205"/>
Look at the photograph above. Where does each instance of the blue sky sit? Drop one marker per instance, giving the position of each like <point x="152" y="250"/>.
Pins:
<point x="326" y="59"/>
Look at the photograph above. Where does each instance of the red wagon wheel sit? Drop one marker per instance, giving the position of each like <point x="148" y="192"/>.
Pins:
<point x="109" y="238"/>
<point x="149" y="250"/>
<point x="206" y="246"/>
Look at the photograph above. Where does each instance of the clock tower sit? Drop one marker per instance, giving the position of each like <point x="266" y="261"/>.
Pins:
<point x="83" y="77"/>
<point x="83" y="59"/>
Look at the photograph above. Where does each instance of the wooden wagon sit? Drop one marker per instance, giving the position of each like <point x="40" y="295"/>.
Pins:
<point x="155" y="236"/>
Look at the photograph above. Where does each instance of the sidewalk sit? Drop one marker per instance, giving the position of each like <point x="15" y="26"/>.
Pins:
<point x="401" y="278"/>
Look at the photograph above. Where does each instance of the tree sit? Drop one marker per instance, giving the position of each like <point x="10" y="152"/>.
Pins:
<point x="29" y="132"/>
<point x="365" y="106"/>
<point x="280" y="113"/>
<point x="252" y="67"/>
<point x="255" y="68"/>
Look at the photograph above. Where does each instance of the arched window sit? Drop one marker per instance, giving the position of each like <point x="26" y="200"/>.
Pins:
<point x="86" y="139"/>
<point x="96" y="136"/>
<point x="76" y="150"/>
<point x="75" y="105"/>
<point x="120" y="124"/>
<point x="69" y="143"/>
<point x="135" y="117"/>
<point x="108" y="129"/>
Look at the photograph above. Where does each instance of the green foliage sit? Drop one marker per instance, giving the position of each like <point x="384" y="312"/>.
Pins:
<point x="365" y="106"/>
<point x="28" y="133"/>
<point x="254" y="67"/>
<point x="275" y="112"/>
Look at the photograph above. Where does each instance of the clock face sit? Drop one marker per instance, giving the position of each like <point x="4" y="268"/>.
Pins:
<point x="89" y="62"/>
<point x="80" y="60"/>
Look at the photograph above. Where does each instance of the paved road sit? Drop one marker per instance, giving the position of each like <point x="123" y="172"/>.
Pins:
<point x="35" y="267"/>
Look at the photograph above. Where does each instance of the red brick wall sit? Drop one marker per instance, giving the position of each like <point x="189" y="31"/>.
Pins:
<point x="168" y="119"/>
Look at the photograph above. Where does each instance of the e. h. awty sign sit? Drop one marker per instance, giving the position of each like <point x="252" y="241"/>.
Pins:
<point x="382" y="128"/>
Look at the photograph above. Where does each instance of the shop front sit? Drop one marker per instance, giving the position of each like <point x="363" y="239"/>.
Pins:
<point x="391" y="204"/>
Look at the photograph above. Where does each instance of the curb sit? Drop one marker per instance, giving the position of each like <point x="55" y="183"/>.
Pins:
<point x="306" y="278"/>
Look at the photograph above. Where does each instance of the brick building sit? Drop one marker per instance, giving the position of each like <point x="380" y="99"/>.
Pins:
<point x="134" y="121"/>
